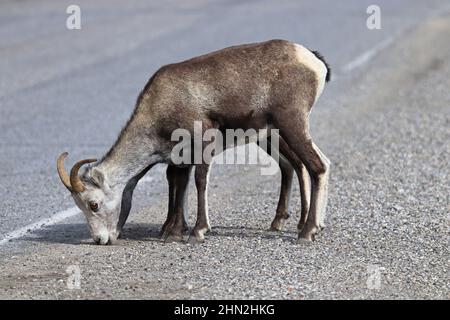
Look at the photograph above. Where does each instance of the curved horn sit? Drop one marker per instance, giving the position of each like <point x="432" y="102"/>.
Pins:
<point x="75" y="181"/>
<point x="65" y="179"/>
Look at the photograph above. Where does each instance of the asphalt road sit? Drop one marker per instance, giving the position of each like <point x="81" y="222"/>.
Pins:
<point x="383" y="121"/>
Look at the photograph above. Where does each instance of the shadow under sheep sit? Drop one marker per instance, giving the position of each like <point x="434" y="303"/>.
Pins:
<point x="78" y="233"/>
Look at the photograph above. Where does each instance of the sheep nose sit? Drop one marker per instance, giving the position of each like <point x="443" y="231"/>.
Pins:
<point x="97" y="240"/>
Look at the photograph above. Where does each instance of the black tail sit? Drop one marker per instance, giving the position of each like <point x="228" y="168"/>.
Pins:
<point x="321" y="58"/>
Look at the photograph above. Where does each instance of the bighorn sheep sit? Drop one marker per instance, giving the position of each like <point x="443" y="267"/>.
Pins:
<point x="272" y="84"/>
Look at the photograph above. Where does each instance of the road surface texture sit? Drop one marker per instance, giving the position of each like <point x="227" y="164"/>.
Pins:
<point x="383" y="121"/>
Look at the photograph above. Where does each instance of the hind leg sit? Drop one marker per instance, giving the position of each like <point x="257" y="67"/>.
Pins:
<point x="294" y="129"/>
<point x="287" y="169"/>
<point x="303" y="180"/>
<point x="282" y="212"/>
<point x="305" y="194"/>
<point x="201" y="182"/>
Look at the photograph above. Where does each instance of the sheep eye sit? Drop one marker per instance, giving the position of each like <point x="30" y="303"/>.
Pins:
<point x="94" y="206"/>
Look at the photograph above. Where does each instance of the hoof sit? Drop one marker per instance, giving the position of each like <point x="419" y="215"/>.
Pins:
<point x="173" y="238"/>
<point x="303" y="241"/>
<point x="300" y="227"/>
<point x="277" y="225"/>
<point x="165" y="229"/>
<point x="198" y="235"/>
<point x="278" y="222"/>
<point x="308" y="233"/>
<point x="195" y="240"/>
<point x="162" y="234"/>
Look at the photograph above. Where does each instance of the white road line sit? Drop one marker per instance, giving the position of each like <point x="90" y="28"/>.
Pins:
<point x="368" y="55"/>
<point x="58" y="217"/>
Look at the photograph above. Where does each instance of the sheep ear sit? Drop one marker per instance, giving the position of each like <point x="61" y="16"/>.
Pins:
<point x="97" y="177"/>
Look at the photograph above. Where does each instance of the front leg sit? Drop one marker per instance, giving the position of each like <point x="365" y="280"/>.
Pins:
<point x="127" y="197"/>
<point x="176" y="225"/>
<point x="202" y="225"/>
<point x="170" y="220"/>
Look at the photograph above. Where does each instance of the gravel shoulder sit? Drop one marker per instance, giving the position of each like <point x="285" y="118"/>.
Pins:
<point x="388" y="214"/>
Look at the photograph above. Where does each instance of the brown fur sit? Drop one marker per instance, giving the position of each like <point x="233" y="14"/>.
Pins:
<point x="227" y="86"/>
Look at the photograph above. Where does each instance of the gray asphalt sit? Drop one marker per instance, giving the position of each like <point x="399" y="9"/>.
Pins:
<point x="384" y="125"/>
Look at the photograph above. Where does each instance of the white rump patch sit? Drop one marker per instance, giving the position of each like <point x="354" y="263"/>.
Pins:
<point x="308" y="58"/>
